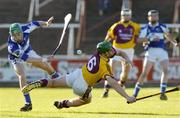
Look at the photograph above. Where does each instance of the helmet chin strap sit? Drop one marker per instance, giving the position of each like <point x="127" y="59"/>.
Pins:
<point x="107" y="55"/>
<point x="126" y="21"/>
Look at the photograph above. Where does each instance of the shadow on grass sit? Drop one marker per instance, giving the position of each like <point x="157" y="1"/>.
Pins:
<point x="32" y="114"/>
<point x="125" y="113"/>
<point x="29" y="114"/>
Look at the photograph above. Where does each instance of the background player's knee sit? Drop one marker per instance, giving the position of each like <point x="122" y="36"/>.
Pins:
<point x="124" y="76"/>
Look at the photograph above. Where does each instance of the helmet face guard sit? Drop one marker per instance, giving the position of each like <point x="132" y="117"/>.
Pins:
<point x="103" y="47"/>
<point x="126" y="12"/>
<point x="153" y="12"/>
<point x="15" y="28"/>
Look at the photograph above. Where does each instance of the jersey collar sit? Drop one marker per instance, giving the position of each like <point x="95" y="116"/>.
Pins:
<point x="153" y="25"/>
<point x="126" y="23"/>
<point x="104" y="58"/>
<point x="12" y="39"/>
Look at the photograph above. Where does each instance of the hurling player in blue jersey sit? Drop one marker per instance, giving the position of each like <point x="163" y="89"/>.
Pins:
<point x="155" y="34"/>
<point x="20" y="51"/>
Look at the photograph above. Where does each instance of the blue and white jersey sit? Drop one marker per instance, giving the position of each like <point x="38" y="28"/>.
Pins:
<point x="152" y="32"/>
<point x="21" y="50"/>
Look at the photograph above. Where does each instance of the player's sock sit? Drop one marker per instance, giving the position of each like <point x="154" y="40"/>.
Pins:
<point x="137" y="89"/>
<point x="33" y="85"/>
<point x="107" y="86"/>
<point x="106" y="90"/>
<point x="55" y="75"/>
<point x="163" y="87"/>
<point x="44" y="82"/>
<point x="27" y="98"/>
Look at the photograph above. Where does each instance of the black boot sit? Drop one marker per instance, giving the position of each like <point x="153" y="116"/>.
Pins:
<point x="105" y="94"/>
<point x="26" y="107"/>
<point x="163" y="96"/>
<point x="61" y="104"/>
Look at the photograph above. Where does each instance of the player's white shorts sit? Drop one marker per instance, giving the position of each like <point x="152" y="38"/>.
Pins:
<point x="129" y="52"/>
<point x="31" y="53"/>
<point x="77" y="82"/>
<point x="156" y="55"/>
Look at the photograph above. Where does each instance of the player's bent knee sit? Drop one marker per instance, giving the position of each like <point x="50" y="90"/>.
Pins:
<point x="127" y="66"/>
<point x="124" y="77"/>
<point x="86" y="100"/>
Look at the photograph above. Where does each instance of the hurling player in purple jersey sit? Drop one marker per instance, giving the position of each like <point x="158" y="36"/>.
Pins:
<point x="123" y="35"/>
<point x="81" y="80"/>
<point x="20" y="51"/>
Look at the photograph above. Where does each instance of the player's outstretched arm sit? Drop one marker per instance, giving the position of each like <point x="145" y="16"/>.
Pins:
<point x="46" y="23"/>
<point x="119" y="89"/>
<point x="124" y="55"/>
<point x="171" y="39"/>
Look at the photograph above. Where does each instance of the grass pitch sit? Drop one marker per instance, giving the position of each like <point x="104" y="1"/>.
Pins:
<point x="114" y="106"/>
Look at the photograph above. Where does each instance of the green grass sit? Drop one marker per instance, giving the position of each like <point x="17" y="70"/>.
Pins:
<point x="115" y="106"/>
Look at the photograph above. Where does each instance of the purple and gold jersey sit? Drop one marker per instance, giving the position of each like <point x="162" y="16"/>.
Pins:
<point x="96" y="69"/>
<point x="124" y="35"/>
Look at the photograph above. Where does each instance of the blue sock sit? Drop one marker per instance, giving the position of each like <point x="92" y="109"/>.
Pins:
<point x="163" y="87"/>
<point x="54" y="75"/>
<point x="27" y="98"/>
<point x="137" y="89"/>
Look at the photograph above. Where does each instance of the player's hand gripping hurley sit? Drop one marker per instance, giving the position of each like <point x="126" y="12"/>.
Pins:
<point x="67" y="19"/>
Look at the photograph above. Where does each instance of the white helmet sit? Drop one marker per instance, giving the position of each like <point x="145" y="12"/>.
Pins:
<point x="151" y="12"/>
<point x="126" y="12"/>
